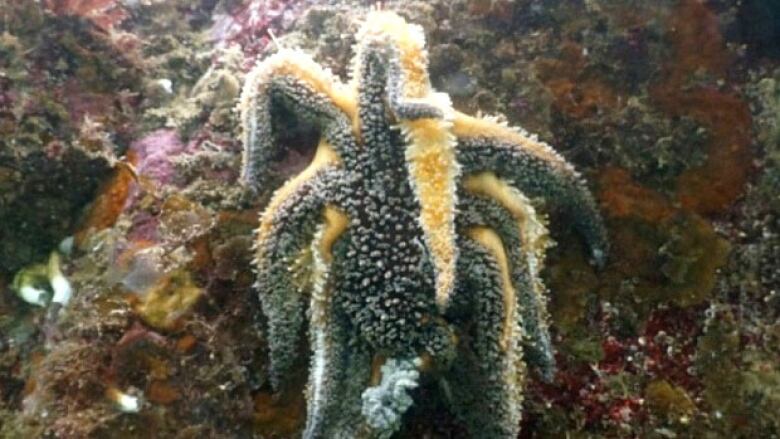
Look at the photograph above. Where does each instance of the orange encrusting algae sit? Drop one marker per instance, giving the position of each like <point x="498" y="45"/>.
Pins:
<point x="714" y="186"/>
<point x="622" y="197"/>
<point x="576" y="92"/>
<point x="110" y="201"/>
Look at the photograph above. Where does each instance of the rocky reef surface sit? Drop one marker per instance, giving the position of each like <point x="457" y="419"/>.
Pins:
<point x="119" y="160"/>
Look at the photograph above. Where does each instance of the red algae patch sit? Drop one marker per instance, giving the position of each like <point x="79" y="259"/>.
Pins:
<point x="621" y="197"/>
<point x="699" y="50"/>
<point x="576" y="92"/>
<point x="283" y="415"/>
<point x="669" y="252"/>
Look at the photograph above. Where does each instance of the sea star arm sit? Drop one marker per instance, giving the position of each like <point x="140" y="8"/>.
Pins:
<point x="524" y="237"/>
<point x="328" y="338"/>
<point x="489" y="370"/>
<point x="286" y="226"/>
<point x="392" y="56"/>
<point x="392" y="59"/>
<point x="533" y="168"/>
<point x="291" y="80"/>
<point x="341" y="369"/>
<point x="381" y="64"/>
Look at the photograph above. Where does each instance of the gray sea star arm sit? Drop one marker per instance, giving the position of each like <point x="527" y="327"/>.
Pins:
<point x="532" y="302"/>
<point x="337" y="375"/>
<point x="395" y="61"/>
<point x="337" y="414"/>
<point x="339" y="371"/>
<point x="380" y="66"/>
<point x="486" y="379"/>
<point x="404" y="130"/>
<point x="293" y="81"/>
<point x="536" y="170"/>
<point x="287" y="227"/>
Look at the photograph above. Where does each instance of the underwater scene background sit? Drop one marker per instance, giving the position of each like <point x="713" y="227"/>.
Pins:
<point x="127" y="299"/>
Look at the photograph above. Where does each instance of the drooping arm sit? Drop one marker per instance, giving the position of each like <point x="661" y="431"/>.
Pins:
<point x="342" y="365"/>
<point x="328" y="336"/>
<point x="291" y="80"/>
<point x="534" y="169"/>
<point x="524" y="242"/>
<point x="286" y="229"/>
<point x="488" y="370"/>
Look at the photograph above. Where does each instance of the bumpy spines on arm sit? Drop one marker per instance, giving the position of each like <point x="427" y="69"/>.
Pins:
<point x="524" y="248"/>
<point x="487" y="377"/>
<point x="290" y="78"/>
<point x="423" y="118"/>
<point x="535" y="169"/>
<point x="393" y="52"/>
<point x="327" y="334"/>
<point x="286" y="227"/>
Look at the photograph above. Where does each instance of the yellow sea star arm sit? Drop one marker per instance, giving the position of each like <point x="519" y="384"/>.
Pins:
<point x="323" y="157"/>
<point x="433" y="170"/>
<point x="489" y="239"/>
<point x="408" y="40"/>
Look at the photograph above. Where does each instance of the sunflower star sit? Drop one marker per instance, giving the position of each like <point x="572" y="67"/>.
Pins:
<point x="410" y="238"/>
